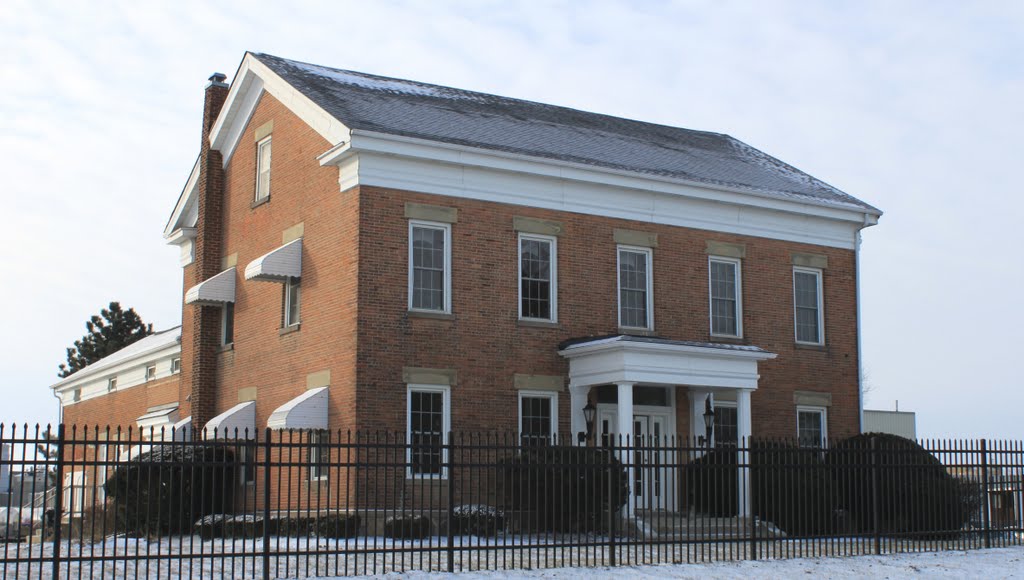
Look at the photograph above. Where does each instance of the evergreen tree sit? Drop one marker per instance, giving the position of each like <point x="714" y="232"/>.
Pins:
<point x="109" y="332"/>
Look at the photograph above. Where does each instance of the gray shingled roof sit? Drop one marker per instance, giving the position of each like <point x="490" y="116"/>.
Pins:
<point x="435" y="113"/>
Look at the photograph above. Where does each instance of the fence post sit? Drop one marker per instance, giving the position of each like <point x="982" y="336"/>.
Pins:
<point x="58" y="499"/>
<point x="451" y="502"/>
<point x="875" y="508"/>
<point x="750" y="509"/>
<point x="266" y="503"/>
<point x="986" y="517"/>
<point x="611" y="513"/>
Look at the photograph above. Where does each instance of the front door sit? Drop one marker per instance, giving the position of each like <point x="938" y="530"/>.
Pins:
<point x="654" y="475"/>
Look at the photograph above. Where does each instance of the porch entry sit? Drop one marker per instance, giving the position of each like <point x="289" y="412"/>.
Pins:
<point x="633" y="367"/>
<point x="654" y="475"/>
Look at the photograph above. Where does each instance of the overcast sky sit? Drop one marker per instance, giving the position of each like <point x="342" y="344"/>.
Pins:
<point x="914" y="107"/>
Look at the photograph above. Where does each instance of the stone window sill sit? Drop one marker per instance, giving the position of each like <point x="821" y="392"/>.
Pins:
<point x="432" y="315"/>
<point x="227" y="347"/>
<point x="255" y="204"/>
<point x="636" y="331"/>
<point x="538" y="323"/>
<point x="289" y="329"/>
<point x="803" y="346"/>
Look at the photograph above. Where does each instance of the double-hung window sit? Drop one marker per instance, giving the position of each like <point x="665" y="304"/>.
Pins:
<point x="263" y="169"/>
<point x="811" y="426"/>
<point x="292" y="301"/>
<point x="726" y="297"/>
<point x="319" y="454"/>
<point x="538" y="417"/>
<point x="538" y="282"/>
<point x="430" y="258"/>
<point x="808" y="311"/>
<point x="227" y="324"/>
<point x="636" y="288"/>
<point x="428" y="423"/>
<point x="726" y="424"/>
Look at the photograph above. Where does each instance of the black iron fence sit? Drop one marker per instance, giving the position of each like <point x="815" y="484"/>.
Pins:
<point x="109" y="503"/>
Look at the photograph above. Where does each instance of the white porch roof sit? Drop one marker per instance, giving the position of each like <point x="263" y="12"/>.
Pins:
<point x="644" y="360"/>
<point x="307" y="411"/>
<point x="277" y="265"/>
<point x="238" y="422"/>
<point x="216" y="290"/>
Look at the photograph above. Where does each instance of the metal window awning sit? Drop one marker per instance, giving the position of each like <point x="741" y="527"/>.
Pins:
<point x="158" y="422"/>
<point x="182" y="430"/>
<point x="278" y="265"/>
<point x="238" y="422"/>
<point x="214" y="291"/>
<point x="307" y="411"/>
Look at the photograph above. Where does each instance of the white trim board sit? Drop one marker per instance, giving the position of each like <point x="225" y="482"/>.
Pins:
<point x="823" y="227"/>
<point x="251" y="80"/>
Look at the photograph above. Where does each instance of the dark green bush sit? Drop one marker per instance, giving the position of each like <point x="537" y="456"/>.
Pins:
<point x="164" y="490"/>
<point x="789" y="486"/>
<point x="918" y="497"/>
<point x="335" y="526"/>
<point x="560" y="488"/>
<point x="478" y="520"/>
<point x="407" y="527"/>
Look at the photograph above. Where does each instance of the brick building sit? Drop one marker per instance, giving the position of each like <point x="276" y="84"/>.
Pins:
<point x="362" y="252"/>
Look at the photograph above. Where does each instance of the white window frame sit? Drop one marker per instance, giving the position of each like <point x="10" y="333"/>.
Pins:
<point x="260" y="170"/>
<point x="650" y="284"/>
<point x="823" y="412"/>
<point x="111" y="384"/>
<point x="738" y="264"/>
<point x="446" y="393"/>
<point x="553" y="291"/>
<point x="175" y="365"/>
<point x="289" y="284"/>
<point x="447" y="228"/>
<point x="318" y="443"/>
<point x="148" y="376"/>
<point x="821" y="305"/>
<point x="552" y="398"/>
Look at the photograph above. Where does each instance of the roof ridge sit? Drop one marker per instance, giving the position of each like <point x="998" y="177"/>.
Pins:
<point x="495" y="96"/>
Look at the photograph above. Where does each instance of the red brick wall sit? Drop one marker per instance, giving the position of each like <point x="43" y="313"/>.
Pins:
<point x="301" y="191"/>
<point x="487" y="346"/>
<point x="121" y="408"/>
<point x="355" y="244"/>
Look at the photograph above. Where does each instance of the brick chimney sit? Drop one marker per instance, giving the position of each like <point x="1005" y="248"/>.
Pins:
<point x="200" y="325"/>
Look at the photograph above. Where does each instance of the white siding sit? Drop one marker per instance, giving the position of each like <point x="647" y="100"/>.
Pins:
<point x="895" y="422"/>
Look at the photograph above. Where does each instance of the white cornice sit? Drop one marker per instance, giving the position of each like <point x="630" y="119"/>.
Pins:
<point x="363" y="140"/>
<point x="185" y="202"/>
<point x="87" y="375"/>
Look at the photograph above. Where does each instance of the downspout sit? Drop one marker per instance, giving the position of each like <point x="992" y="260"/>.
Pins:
<point x="860" y="353"/>
<point x="60" y="406"/>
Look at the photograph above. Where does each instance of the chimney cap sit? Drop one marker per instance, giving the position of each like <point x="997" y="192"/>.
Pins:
<point x="217" y="80"/>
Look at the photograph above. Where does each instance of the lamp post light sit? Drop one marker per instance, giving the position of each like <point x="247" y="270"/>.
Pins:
<point x="589" y="413"/>
<point x="709" y="421"/>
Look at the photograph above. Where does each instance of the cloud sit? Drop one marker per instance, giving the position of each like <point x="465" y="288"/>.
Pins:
<point x="913" y="106"/>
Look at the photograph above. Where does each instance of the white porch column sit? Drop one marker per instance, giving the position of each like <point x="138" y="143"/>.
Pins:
<point x="577" y="420"/>
<point x="743" y="457"/>
<point x="626" y="435"/>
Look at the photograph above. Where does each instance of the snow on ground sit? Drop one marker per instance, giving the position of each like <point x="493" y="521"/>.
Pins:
<point x="989" y="564"/>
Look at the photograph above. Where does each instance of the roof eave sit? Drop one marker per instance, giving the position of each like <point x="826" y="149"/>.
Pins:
<point x="362" y="139"/>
